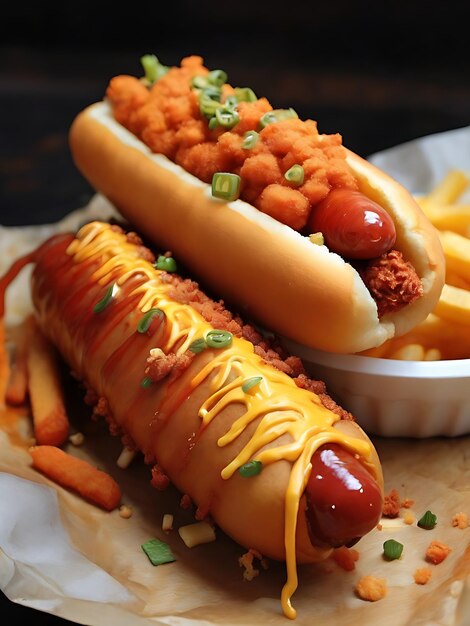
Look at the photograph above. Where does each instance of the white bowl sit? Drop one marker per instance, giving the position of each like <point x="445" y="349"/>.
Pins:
<point x="394" y="398"/>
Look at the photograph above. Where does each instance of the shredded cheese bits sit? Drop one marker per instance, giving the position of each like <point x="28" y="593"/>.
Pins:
<point x="278" y="406"/>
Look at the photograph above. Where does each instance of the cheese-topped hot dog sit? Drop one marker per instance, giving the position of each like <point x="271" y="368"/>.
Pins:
<point x="242" y="193"/>
<point x="225" y="415"/>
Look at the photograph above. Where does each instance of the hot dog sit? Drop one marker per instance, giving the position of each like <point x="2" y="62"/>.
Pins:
<point x="160" y="153"/>
<point x="218" y="409"/>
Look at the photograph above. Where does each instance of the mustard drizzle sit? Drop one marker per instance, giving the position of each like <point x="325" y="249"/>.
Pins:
<point x="281" y="407"/>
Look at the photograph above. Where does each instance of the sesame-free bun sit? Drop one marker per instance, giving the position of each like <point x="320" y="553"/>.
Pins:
<point x="266" y="270"/>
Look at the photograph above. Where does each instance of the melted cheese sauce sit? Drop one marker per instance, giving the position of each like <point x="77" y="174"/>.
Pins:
<point x="276" y="403"/>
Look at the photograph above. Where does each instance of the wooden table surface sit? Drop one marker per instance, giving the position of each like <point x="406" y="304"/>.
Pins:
<point x="378" y="78"/>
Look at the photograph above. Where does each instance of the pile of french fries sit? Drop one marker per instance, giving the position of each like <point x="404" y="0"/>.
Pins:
<point x="445" y="334"/>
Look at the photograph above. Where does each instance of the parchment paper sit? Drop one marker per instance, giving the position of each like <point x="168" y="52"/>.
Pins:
<point x="61" y="555"/>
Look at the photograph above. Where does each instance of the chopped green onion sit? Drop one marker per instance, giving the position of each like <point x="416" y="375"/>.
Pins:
<point x="217" y="78"/>
<point x="146" y="320"/>
<point x="213" y="123"/>
<point x="166" y="264"/>
<point x="146" y="382"/>
<point x="245" y="94"/>
<point x="231" y="102"/>
<point x="106" y="299"/>
<point x="250" y="139"/>
<point x="198" y="345"/>
<point x="208" y="105"/>
<point x="251" y="382"/>
<point x="252" y="468"/>
<point x="219" y="339"/>
<point x="153" y="69"/>
<point x="428" y="521"/>
<point x="158" y="552"/>
<point x="392" y="549"/>
<point x="295" y="174"/>
<point x="277" y="116"/>
<point x="226" y="186"/>
<point x="199" y="82"/>
<point x="227" y="118"/>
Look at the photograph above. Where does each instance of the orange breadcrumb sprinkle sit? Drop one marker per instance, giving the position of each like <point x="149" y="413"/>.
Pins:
<point x="460" y="520"/>
<point x="391" y="506"/>
<point x="346" y="558"/>
<point x="422" y="575"/>
<point x="371" y="588"/>
<point x="437" y="552"/>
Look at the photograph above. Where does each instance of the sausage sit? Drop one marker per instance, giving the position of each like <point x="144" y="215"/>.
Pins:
<point x="214" y="411"/>
<point x="353" y="225"/>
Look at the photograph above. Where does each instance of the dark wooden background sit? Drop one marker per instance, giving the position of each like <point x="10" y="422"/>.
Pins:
<point x="380" y="73"/>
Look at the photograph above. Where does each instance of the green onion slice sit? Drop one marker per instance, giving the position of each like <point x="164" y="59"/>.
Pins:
<point x="245" y="94"/>
<point x="219" y="339"/>
<point x="277" y="116"/>
<point x="251" y="382"/>
<point x="146" y="320"/>
<point x="217" y="78"/>
<point x="146" y="382"/>
<point x="392" y="549"/>
<point x="213" y="123"/>
<point x="199" y="82"/>
<point x="226" y="186"/>
<point x="153" y="69"/>
<point x="166" y="264"/>
<point x="227" y="118"/>
<point x="428" y="520"/>
<point x="231" y="102"/>
<point x="250" y="139"/>
<point x="252" y="468"/>
<point x="158" y="552"/>
<point x="198" y="345"/>
<point x="106" y="299"/>
<point x="295" y="174"/>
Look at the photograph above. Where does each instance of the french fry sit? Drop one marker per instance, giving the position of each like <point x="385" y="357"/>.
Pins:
<point x="457" y="253"/>
<point x="449" y="189"/>
<point x="77" y="475"/>
<point x="454" y="217"/>
<point x="50" y="421"/>
<point x="4" y="364"/>
<point x="17" y="388"/>
<point x="454" y="305"/>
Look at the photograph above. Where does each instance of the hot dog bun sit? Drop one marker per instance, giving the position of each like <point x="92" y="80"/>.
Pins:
<point x="267" y="270"/>
<point x="198" y="423"/>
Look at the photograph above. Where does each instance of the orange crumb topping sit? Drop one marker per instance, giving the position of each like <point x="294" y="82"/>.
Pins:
<point x="437" y="552"/>
<point x="371" y="588"/>
<point x="460" y="520"/>
<point x="345" y="557"/>
<point x="391" y="506"/>
<point x="422" y="575"/>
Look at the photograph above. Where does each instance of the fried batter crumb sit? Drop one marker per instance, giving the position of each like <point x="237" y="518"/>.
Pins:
<point x="371" y="588"/>
<point x="346" y="558"/>
<point x="460" y="520"/>
<point x="125" y="511"/>
<point x="422" y="575"/>
<point x="409" y="518"/>
<point x="391" y="506"/>
<point x="437" y="552"/>
<point x="407" y="503"/>
<point x="246" y="561"/>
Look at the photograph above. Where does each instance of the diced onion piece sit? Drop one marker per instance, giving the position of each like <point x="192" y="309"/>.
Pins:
<point x="196" y="534"/>
<point x="167" y="523"/>
<point x="125" y="458"/>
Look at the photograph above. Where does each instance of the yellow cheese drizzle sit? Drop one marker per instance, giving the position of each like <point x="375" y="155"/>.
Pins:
<point x="280" y="407"/>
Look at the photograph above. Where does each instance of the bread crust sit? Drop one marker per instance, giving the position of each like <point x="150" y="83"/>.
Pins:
<point x="262" y="268"/>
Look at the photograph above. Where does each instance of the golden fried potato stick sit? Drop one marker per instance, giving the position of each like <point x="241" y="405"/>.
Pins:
<point x="50" y="421"/>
